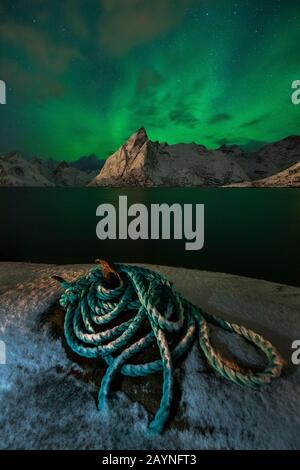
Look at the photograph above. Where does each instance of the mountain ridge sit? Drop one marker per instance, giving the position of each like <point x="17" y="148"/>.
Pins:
<point x="16" y="170"/>
<point x="142" y="162"/>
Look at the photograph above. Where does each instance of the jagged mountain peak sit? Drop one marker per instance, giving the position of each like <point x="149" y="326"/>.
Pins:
<point x="142" y="162"/>
<point x="137" y="139"/>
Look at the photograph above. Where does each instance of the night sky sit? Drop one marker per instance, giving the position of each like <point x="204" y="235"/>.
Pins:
<point x="83" y="75"/>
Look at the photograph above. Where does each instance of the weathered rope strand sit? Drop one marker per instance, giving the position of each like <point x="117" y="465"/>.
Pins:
<point x="90" y="304"/>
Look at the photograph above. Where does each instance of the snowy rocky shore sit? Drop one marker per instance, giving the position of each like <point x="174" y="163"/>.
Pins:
<point x="47" y="404"/>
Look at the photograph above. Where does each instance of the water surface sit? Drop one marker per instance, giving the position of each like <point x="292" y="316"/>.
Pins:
<point x="251" y="232"/>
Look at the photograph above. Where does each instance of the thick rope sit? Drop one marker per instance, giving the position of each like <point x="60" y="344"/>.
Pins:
<point x="151" y="299"/>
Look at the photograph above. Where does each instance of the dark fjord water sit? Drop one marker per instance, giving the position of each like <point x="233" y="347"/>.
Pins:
<point x="251" y="232"/>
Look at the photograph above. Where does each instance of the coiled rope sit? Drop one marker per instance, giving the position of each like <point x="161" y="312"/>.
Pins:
<point x="93" y="303"/>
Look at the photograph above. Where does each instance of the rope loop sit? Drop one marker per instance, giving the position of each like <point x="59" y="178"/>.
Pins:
<point x="108" y="320"/>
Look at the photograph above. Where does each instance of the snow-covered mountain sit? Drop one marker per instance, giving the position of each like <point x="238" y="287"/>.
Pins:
<point x="15" y="170"/>
<point x="66" y="175"/>
<point x="271" y="159"/>
<point x="142" y="162"/>
<point x="286" y="178"/>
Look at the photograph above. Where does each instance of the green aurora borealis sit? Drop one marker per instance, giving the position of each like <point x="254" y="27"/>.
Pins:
<point x="82" y="76"/>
